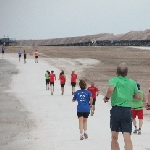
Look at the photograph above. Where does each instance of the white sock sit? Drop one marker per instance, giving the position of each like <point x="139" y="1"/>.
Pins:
<point x="85" y="132"/>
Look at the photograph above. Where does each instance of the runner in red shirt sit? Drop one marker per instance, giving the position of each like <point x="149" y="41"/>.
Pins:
<point x="52" y="78"/>
<point x="62" y="79"/>
<point x="73" y="81"/>
<point x="95" y="91"/>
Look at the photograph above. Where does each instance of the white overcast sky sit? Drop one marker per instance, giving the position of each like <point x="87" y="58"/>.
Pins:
<point x="45" y="19"/>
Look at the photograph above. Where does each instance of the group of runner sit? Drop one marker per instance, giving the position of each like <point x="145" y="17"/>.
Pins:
<point x="127" y="102"/>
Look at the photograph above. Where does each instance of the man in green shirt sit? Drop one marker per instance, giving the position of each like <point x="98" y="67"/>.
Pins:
<point x="121" y="90"/>
<point x="137" y="110"/>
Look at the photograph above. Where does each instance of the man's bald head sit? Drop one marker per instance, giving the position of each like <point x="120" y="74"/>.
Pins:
<point x="122" y="69"/>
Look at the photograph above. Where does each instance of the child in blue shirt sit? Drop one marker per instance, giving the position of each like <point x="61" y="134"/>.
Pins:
<point x="83" y="97"/>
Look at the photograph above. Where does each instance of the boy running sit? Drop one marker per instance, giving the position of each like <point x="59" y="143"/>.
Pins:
<point x="62" y="79"/>
<point x="52" y="78"/>
<point x="19" y="54"/>
<point x="73" y="81"/>
<point x="36" y="56"/>
<point x="137" y="110"/>
<point x="95" y="91"/>
<point x="25" y="56"/>
<point x="83" y="108"/>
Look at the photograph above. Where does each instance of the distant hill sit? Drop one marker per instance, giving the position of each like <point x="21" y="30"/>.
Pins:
<point x="132" y="35"/>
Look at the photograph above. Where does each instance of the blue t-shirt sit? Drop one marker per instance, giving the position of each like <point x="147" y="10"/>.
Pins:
<point x="19" y="53"/>
<point x="3" y="49"/>
<point x="82" y="97"/>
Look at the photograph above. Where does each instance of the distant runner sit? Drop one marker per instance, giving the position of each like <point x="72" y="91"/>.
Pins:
<point x="95" y="92"/>
<point x="137" y="110"/>
<point x="73" y="81"/>
<point x="19" y="54"/>
<point x="47" y="79"/>
<point x="62" y="79"/>
<point x="52" y="78"/>
<point x="83" y="108"/>
<point x="3" y="51"/>
<point x="25" y="56"/>
<point x="36" y="56"/>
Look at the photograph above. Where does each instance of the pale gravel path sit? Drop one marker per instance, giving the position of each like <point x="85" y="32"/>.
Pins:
<point x="53" y="122"/>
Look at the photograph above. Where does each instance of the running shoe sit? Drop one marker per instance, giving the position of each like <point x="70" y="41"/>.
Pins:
<point x="139" y="132"/>
<point x="135" y="131"/>
<point x="85" y="135"/>
<point x="92" y="113"/>
<point x="81" y="137"/>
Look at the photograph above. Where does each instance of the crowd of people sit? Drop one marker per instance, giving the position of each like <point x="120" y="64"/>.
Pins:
<point x="127" y="101"/>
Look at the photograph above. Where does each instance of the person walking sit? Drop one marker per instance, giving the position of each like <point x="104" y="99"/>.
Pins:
<point x="121" y="90"/>
<point x="62" y="79"/>
<point x="25" y="56"/>
<point x="52" y="78"/>
<point x="83" y="96"/>
<point x="3" y="51"/>
<point x="137" y="110"/>
<point x="36" y="56"/>
<point x="95" y="92"/>
<point x="73" y="81"/>
<point x="19" y="54"/>
<point x="47" y="79"/>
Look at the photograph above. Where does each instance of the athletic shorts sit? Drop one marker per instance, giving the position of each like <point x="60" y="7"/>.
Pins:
<point x="47" y="81"/>
<point x="36" y="56"/>
<point x="52" y="83"/>
<point x="120" y="119"/>
<point x="73" y="84"/>
<point x="62" y="85"/>
<point x="19" y="55"/>
<point x="138" y="113"/>
<point x="94" y="100"/>
<point x="2" y="51"/>
<point x="83" y="114"/>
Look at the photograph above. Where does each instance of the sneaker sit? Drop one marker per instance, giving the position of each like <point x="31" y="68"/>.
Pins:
<point x="81" y="137"/>
<point x="92" y="113"/>
<point x="139" y="132"/>
<point x="135" y="131"/>
<point x="52" y="93"/>
<point x="85" y="135"/>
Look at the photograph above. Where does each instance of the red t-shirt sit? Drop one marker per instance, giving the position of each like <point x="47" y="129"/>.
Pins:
<point x="62" y="79"/>
<point x="52" y="77"/>
<point x="93" y="90"/>
<point x="73" y="77"/>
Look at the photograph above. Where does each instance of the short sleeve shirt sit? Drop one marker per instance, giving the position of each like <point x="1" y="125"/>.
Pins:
<point x="82" y="97"/>
<point x="73" y="77"/>
<point x="52" y="77"/>
<point x="93" y="90"/>
<point x="124" y="90"/>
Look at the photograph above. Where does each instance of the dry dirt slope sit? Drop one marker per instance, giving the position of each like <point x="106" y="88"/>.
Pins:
<point x="132" y="35"/>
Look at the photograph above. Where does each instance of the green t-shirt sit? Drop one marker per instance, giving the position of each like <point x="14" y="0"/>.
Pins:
<point x="138" y="104"/>
<point x="46" y="75"/>
<point x="124" y="89"/>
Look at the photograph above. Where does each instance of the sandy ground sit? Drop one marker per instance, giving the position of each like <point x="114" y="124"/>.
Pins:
<point x="50" y="122"/>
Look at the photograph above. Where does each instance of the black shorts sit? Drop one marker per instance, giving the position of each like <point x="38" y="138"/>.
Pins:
<point x="47" y="81"/>
<point x="62" y="85"/>
<point x="83" y="114"/>
<point x="120" y="119"/>
<point x="52" y="83"/>
<point x="73" y="84"/>
<point x="94" y="100"/>
<point x="2" y="51"/>
<point x="19" y="55"/>
<point x="36" y="56"/>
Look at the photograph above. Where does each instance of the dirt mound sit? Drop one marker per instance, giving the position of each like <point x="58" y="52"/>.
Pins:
<point x="132" y="35"/>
